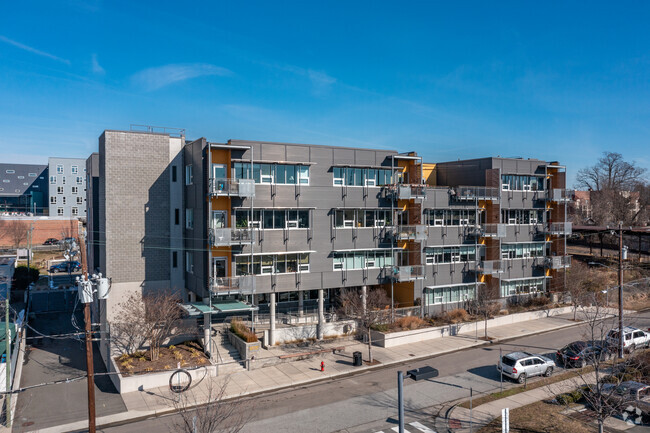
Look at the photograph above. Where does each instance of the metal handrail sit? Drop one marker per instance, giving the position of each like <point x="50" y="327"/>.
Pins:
<point x="173" y="132"/>
<point x="476" y="192"/>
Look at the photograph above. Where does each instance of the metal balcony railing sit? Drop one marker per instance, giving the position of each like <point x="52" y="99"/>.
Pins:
<point x="220" y="237"/>
<point x="232" y="187"/>
<point x="244" y="284"/>
<point x="410" y="233"/>
<point x="561" y="228"/>
<point x="407" y="273"/>
<point x="558" y="262"/>
<point x="491" y="230"/>
<point x="561" y="195"/>
<point x="489" y="267"/>
<point x="407" y="192"/>
<point x="476" y="193"/>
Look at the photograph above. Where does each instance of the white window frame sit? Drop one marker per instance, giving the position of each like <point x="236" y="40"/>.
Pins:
<point x="291" y="224"/>
<point x="59" y="169"/>
<point x="74" y="169"/>
<point x="59" y="211"/>
<point x="74" y="211"/>
<point x="527" y="187"/>
<point x="80" y="200"/>
<point x="505" y="186"/>
<point x="59" y="190"/>
<point x="74" y="189"/>
<point x="52" y="199"/>
<point x="371" y="182"/>
<point x="63" y="180"/>
<point x="63" y="200"/>
<point x="303" y="267"/>
<point x="10" y="171"/>
<point x="512" y="221"/>
<point x="53" y="180"/>
<point x="80" y="180"/>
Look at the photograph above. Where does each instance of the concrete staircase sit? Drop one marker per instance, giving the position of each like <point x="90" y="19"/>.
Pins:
<point x="225" y="355"/>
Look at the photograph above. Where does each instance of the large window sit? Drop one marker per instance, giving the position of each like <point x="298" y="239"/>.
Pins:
<point x="189" y="176"/>
<point x="514" y="182"/>
<point x="447" y="294"/>
<point x="272" y="218"/>
<point x="348" y="218"/>
<point x="272" y="264"/>
<point x="348" y="260"/>
<point x="523" y="286"/>
<point x="522" y="250"/>
<point x="189" y="262"/>
<point x="450" y="217"/>
<point x="189" y="218"/>
<point x="522" y="216"/>
<point x="282" y="174"/>
<point x="451" y="254"/>
<point x="355" y="176"/>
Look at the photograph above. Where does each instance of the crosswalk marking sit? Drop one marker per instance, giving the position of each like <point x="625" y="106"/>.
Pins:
<point x="421" y="427"/>
<point x="396" y="429"/>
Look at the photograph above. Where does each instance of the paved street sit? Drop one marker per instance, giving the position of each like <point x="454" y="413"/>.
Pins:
<point x="55" y="359"/>
<point x="367" y="402"/>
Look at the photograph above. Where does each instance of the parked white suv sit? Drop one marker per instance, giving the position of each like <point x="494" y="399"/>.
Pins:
<point x="520" y="365"/>
<point x="633" y="338"/>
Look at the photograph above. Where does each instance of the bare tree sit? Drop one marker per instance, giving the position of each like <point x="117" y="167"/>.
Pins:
<point x="615" y="185"/>
<point x="150" y="319"/>
<point x="485" y="304"/>
<point x="207" y="413"/>
<point x="17" y="230"/>
<point x="367" y="312"/>
<point x="581" y="283"/>
<point x="598" y="385"/>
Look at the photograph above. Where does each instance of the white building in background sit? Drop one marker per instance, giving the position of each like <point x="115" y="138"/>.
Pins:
<point x="67" y="187"/>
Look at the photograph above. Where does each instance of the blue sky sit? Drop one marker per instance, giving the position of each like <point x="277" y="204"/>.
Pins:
<point x="563" y="81"/>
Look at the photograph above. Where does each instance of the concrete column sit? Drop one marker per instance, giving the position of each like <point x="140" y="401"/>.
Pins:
<point x="272" y="310"/>
<point x="321" y="314"/>
<point x="301" y="304"/>
<point x="364" y="298"/>
<point x="207" y="328"/>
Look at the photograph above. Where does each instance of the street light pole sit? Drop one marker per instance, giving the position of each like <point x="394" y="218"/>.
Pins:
<point x="621" y="341"/>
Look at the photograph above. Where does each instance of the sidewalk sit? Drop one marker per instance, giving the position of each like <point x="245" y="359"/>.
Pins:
<point x="485" y="413"/>
<point x="144" y="404"/>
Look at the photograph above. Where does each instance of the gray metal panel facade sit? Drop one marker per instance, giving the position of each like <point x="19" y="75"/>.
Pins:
<point x="24" y="188"/>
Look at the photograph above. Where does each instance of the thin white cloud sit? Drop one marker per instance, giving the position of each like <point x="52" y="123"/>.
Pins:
<point x="97" y="68"/>
<point x="32" y="50"/>
<point x="161" y="76"/>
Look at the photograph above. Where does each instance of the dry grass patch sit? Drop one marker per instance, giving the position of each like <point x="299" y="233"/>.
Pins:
<point x="242" y="331"/>
<point x="539" y="417"/>
<point x="188" y="354"/>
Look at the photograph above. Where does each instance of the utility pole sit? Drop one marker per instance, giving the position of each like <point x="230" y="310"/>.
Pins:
<point x="400" y="401"/>
<point x="621" y="341"/>
<point x="8" y="359"/>
<point x="89" y="343"/>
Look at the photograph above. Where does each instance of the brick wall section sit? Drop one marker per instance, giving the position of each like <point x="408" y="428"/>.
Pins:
<point x="134" y="205"/>
<point x="43" y="229"/>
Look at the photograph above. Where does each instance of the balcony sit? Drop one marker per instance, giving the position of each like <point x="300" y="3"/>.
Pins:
<point x="558" y="262"/>
<point x="561" y="195"/>
<point x="471" y="193"/>
<point x="410" y="233"/>
<point x="407" y="192"/>
<point x="407" y="273"/>
<point x="558" y="229"/>
<point x="487" y="230"/>
<point x="223" y="237"/>
<point x="232" y="187"/>
<point x="225" y="285"/>
<point x="491" y="267"/>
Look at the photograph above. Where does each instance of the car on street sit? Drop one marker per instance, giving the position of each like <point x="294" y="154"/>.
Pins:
<point x="73" y="266"/>
<point x="521" y="365"/>
<point x="633" y="338"/>
<point x="580" y="353"/>
<point x="51" y="241"/>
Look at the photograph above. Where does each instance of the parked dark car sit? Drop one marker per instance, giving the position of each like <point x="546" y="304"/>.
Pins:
<point x="65" y="266"/>
<point x="51" y="241"/>
<point x="580" y="353"/>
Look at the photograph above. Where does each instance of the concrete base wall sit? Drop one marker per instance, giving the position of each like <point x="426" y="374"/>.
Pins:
<point x="246" y="350"/>
<point x="310" y="331"/>
<point x="392" y="339"/>
<point x="141" y="382"/>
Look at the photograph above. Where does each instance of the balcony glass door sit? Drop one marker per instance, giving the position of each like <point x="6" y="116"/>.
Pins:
<point x="218" y="220"/>
<point x="219" y="267"/>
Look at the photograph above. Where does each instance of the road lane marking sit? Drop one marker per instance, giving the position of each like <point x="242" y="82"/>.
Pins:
<point x="421" y="427"/>
<point x="396" y="429"/>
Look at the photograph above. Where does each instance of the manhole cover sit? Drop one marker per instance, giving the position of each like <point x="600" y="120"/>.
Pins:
<point x="28" y="423"/>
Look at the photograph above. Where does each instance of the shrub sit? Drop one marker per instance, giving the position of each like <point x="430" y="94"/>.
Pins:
<point x="409" y="322"/>
<point x="381" y="327"/>
<point x="238" y="328"/>
<point x="565" y="399"/>
<point x="456" y="316"/>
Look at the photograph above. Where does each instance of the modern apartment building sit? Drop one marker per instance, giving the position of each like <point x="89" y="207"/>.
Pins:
<point x="23" y="188"/>
<point x="285" y="226"/>
<point x="67" y="187"/>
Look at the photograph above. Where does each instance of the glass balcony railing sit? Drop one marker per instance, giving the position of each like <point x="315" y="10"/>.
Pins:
<point x="561" y="195"/>
<point x="558" y="262"/>
<point x="407" y="192"/>
<point x="462" y="193"/>
<point x="490" y="267"/>
<point x="219" y="237"/>
<point x="410" y="233"/>
<point x="561" y="228"/>
<point x="407" y="273"/>
<point x="232" y="187"/>
<point x="240" y="284"/>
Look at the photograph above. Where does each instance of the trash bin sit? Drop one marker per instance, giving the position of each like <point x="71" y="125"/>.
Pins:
<point x="358" y="359"/>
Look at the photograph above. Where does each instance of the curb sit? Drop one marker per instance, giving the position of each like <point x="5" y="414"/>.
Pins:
<point x="79" y="426"/>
